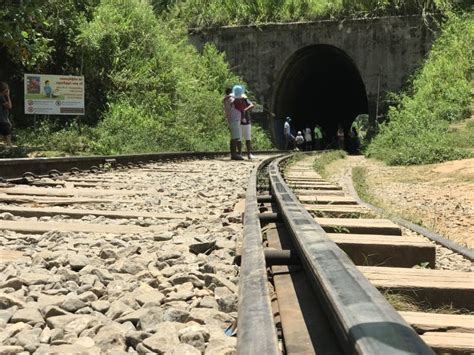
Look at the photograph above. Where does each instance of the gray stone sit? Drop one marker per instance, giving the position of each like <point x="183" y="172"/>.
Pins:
<point x="108" y="254"/>
<point x="100" y="306"/>
<point x="30" y="315"/>
<point x="226" y="299"/>
<point x="133" y="317"/>
<point x="128" y="267"/>
<point x="134" y="337"/>
<point x="165" y="338"/>
<point x="221" y="346"/>
<point x="6" y="314"/>
<point x="162" y="237"/>
<point x="71" y="349"/>
<point x="45" y="336"/>
<point x="202" y="247"/>
<point x="150" y="319"/>
<point x="148" y="295"/>
<point x="86" y="342"/>
<point x="53" y="311"/>
<point x="210" y="316"/>
<point x="13" y="329"/>
<point x="208" y="302"/>
<point x="117" y="309"/>
<point x="185" y="349"/>
<point x="7" y="216"/>
<point x="14" y="283"/>
<point x="176" y="315"/>
<point x="85" y="310"/>
<point x="32" y="278"/>
<point x="88" y="296"/>
<point x="220" y="281"/>
<point x="72" y="303"/>
<point x="29" y="339"/>
<point x="47" y="300"/>
<point x="204" y="331"/>
<point x="56" y="334"/>
<point x="73" y="323"/>
<point x="195" y="339"/>
<point x="78" y="262"/>
<point x="7" y="301"/>
<point x="10" y="349"/>
<point x="183" y="292"/>
<point x="183" y="278"/>
<point x="111" y="338"/>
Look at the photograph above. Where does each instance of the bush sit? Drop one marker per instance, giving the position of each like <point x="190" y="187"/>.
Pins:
<point x="417" y="129"/>
<point x="162" y="94"/>
<point x="55" y="136"/>
<point x="208" y="13"/>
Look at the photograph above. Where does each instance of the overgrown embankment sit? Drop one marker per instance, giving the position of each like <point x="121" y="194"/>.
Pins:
<point x="147" y="89"/>
<point x="417" y="131"/>
<point x="211" y="13"/>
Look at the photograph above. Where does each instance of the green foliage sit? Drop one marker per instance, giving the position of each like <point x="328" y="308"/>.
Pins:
<point x="417" y="130"/>
<point x="35" y="31"/>
<point x="52" y="136"/>
<point x="162" y="95"/>
<point x="208" y="13"/>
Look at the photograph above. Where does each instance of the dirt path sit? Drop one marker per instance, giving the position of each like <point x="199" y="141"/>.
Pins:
<point x="438" y="196"/>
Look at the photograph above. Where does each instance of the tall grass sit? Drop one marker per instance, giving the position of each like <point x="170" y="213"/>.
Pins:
<point x="207" y="13"/>
<point x="441" y="92"/>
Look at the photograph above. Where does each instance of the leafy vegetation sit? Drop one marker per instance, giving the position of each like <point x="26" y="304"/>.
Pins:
<point x="441" y="92"/>
<point x="147" y="88"/>
<point x="208" y="13"/>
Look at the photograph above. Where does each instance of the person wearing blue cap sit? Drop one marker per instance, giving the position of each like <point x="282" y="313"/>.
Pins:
<point x="233" y="116"/>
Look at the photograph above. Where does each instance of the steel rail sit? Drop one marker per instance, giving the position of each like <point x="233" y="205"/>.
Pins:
<point x="361" y="317"/>
<point x="15" y="167"/>
<point x="256" y="332"/>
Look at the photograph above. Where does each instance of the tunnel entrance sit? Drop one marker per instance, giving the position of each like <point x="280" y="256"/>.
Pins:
<point x="321" y="85"/>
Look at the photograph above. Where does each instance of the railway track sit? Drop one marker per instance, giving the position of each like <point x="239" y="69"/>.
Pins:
<point x="121" y="257"/>
<point x="332" y="264"/>
<point x="113" y="255"/>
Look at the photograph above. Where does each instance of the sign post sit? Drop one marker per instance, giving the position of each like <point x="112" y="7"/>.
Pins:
<point x="54" y="94"/>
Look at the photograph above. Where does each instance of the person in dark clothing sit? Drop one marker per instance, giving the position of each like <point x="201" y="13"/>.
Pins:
<point x="354" y="141"/>
<point x="5" y="107"/>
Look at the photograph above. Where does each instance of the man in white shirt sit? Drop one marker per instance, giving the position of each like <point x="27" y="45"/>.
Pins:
<point x="287" y="133"/>
<point x="233" y="120"/>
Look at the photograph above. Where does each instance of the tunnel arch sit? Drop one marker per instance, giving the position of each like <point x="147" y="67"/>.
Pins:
<point x="318" y="84"/>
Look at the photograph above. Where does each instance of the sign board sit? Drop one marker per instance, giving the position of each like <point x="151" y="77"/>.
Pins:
<point x="54" y="94"/>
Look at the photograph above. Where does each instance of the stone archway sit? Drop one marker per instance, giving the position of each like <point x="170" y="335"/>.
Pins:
<point x="318" y="84"/>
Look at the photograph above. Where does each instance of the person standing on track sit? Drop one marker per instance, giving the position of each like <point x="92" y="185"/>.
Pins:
<point x="340" y="137"/>
<point x="233" y="121"/>
<point x="308" y="139"/>
<point x="245" y="125"/>
<point x="5" y="107"/>
<point x="287" y="133"/>
<point x="300" y="141"/>
<point x="318" y="137"/>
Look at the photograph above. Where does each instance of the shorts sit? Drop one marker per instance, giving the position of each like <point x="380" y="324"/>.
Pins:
<point x="245" y="128"/>
<point x="234" y="130"/>
<point x="5" y="128"/>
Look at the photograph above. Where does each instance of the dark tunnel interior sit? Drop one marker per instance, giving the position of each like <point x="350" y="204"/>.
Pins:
<point x="322" y="85"/>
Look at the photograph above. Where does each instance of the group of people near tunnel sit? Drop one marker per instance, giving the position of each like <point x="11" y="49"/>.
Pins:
<point x="317" y="139"/>
<point x="237" y="108"/>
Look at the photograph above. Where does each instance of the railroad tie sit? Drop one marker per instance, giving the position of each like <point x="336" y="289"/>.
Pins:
<point x="435" y="287"/>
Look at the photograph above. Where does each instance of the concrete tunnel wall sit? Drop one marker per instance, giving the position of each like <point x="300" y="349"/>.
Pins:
<point x="277" y="60"/>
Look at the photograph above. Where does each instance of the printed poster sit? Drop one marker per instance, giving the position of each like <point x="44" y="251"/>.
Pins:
<point x="54" y="94"/>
